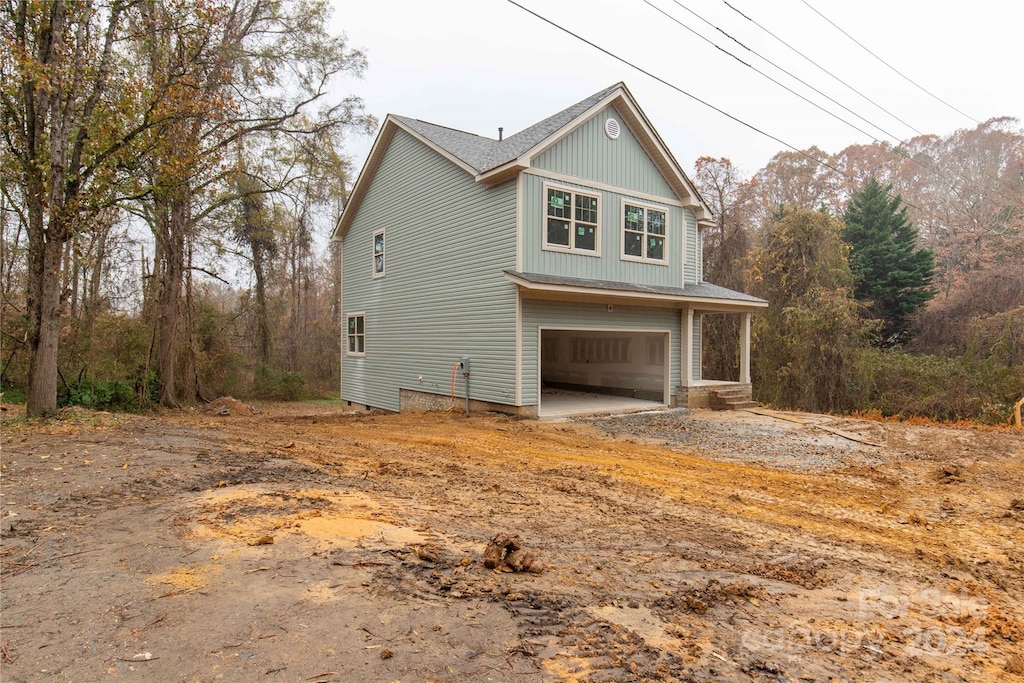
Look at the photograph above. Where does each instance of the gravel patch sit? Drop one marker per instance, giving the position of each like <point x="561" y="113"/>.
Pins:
<point x="759" y="440"/>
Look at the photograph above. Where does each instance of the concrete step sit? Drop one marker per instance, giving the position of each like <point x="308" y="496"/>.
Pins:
<point x="731" y="398"/>
<point x="742" y="405"/>
<point x="726" y="395"/>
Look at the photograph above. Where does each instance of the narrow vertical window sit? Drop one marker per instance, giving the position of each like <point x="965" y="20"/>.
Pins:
<point x="378" y="254"/>
<point x="356" y="335"/>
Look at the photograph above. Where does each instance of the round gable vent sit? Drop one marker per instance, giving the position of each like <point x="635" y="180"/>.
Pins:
<point x="611" y="129"/>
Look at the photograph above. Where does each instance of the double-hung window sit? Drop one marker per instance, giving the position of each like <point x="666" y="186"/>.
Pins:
<point x="356" y="334"/>
<point x="378" y="254"/>
<point x="643" y="232"/>
<point x="572" y="221"/>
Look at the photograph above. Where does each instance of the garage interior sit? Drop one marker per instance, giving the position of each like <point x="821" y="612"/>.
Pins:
<point x="599" y="371"/>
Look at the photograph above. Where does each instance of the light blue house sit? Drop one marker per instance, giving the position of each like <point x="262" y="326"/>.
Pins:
<point x="564" y="258"/>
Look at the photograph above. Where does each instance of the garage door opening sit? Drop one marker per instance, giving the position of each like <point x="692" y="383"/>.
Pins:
<point x="589" y="371"/>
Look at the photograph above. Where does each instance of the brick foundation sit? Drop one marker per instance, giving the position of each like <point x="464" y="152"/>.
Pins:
<point x="699" y="396"/>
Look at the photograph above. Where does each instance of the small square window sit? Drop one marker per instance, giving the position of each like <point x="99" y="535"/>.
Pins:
<point x="356" y="335"/>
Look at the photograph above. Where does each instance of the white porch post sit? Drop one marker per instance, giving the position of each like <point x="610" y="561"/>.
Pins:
<point x="745" y="349"/>
<point x="688" y="348"/>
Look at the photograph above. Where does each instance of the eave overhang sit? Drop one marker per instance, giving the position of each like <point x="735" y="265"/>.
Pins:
<point x="703" y="296"/>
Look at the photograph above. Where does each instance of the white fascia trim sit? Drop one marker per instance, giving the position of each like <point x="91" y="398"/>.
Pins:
<point x="697" y="201"/>
<point x="711" y="304"/>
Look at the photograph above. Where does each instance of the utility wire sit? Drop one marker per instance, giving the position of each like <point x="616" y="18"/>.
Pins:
<point x="761" y="73"/>
<point x="672" y="85"/>
<point x="894" y="69"/>
<point x="821" y="68"/>
<point x="783" y="70"/>
<point x="693" y="97"/>
<point x="930" y="169"/>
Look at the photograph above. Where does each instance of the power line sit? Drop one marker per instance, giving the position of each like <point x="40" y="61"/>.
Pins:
<point x="671" y="85"/>
<point x="930" y="169"/>
<point x="783" y="70"/>
<point x="675" y="87"/>
<point x="894" y="69"/>
<point x="761" y="73"/>
<point x="823" y="69"/>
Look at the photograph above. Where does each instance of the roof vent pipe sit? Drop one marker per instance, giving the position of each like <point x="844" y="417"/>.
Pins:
<point x="500" y="132"/>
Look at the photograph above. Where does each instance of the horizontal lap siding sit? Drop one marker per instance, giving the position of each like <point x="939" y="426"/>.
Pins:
<point x="554" y="314"/>
<point x="447" y="241"/>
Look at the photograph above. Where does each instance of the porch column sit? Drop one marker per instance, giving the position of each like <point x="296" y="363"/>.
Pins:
<point x="745" y="349"/>
<point x="687" y="348"/>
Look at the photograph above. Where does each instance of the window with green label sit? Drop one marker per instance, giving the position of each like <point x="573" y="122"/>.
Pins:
<point x="643" y="232"/>
<point x="572" y="221"/>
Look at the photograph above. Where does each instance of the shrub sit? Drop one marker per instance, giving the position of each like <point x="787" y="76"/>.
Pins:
<point x="277" y="386"/>
<point x="940" y="388"/>
<point x="99" y="395"/>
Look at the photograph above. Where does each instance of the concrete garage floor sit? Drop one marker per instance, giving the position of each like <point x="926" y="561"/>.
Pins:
<point x="558" y="403"/>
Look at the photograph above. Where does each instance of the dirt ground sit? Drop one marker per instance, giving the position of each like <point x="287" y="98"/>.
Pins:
<point x="303" y="544"/>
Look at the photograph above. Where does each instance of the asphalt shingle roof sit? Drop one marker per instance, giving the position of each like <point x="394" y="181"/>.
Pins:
<point x="702" y="290"/>
<point x="482" y="153"/>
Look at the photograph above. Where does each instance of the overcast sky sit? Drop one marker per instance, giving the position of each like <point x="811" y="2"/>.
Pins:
<point x="479" y="64"/>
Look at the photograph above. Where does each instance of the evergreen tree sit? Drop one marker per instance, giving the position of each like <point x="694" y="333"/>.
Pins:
<point x="890" y="274"/>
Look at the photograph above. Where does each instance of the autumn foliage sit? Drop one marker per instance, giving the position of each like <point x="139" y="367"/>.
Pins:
<point x="953" y="338"/>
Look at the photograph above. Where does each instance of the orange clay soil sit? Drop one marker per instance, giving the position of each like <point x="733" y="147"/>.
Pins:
<point x="301" y="543"/>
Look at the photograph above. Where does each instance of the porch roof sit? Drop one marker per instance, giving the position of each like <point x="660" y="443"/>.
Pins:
<point x="706" y="293"/>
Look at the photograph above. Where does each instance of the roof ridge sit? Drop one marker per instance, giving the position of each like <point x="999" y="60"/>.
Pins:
<point x="517" y="143"/>
<point x="438" y="125"/>
<point x="484" y="153"/>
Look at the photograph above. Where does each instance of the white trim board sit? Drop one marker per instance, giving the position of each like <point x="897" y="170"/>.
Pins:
<point x="680" y="300"/>
<point x="583" y="182"/>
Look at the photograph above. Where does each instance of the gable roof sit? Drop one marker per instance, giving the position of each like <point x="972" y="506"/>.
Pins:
<point x="493" y="161"/>
<point x="484" y="154"/>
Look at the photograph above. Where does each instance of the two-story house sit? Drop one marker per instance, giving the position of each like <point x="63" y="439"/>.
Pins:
<point x="564" y="258"/>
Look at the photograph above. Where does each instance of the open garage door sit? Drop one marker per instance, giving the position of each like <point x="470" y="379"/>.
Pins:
<point x="627" y="365"/>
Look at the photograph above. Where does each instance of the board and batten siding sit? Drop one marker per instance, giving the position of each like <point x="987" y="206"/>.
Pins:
<point x="444" y="295"/>
<point x="609" y="265"/>
<point x="589" y="154"/>
<point x="566" y="315"/>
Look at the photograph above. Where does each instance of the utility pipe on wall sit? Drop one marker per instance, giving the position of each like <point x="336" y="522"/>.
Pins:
<point x="464" y="363"/>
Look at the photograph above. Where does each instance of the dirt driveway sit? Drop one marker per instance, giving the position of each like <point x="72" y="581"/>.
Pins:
<point x="303" y="544"/>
